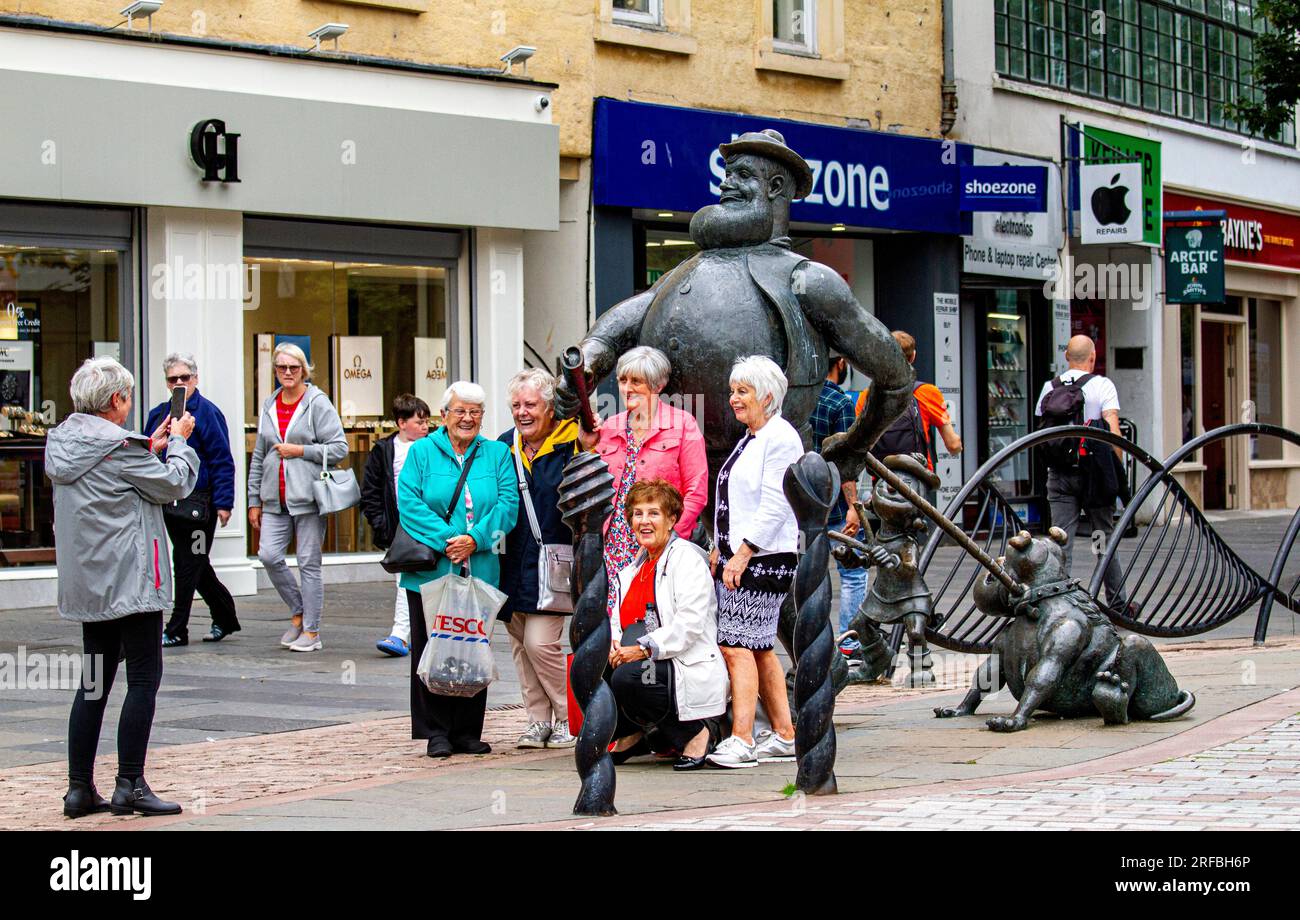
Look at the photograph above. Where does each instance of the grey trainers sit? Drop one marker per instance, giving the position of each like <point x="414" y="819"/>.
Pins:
<point x="560" y="737"/>
<point x="291" y="635"/>
<point x="307" y="643"/>
<point x="733" y="753"/>
<point x="535" y="735"/>
<point x="769" y="747"/>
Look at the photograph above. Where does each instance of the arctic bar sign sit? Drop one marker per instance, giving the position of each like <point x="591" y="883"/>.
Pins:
<point x="1194" y="265"/>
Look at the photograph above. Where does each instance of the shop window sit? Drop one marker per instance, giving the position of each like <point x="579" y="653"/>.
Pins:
<point x="1187" y="370"/>
<point x="57" y="307"/>
<point x="371" y="330"/>
<point x="664" y="250"/>
<point x="1266" y="374"/>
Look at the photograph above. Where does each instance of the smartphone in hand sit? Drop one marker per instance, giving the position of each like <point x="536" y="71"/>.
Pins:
<point x="178" y="402"/>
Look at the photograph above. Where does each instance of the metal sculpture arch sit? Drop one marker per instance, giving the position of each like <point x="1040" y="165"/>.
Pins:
<point x="962" y="628"/>
<point x="1219" y="585"/>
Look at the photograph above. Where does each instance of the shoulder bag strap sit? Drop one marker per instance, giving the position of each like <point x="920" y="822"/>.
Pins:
<point x="460" y="483"/>
<point x="523" y="490"/>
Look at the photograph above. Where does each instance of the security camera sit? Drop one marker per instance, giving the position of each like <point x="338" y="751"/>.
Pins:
<point x="543" y="103"/>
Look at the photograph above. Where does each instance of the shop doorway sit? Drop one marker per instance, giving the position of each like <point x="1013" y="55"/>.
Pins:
<point x="1220" y="394"/>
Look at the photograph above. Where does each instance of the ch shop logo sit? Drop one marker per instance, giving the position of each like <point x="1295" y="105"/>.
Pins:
<point x="103" y="873"/>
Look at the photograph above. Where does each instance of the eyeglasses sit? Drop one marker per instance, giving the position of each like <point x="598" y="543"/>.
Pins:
<point x="180" y="378"/>
<point x="465" y="413"/>
<point x="287" y="368"/>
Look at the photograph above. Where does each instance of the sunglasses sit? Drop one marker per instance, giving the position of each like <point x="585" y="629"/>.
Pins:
<point x="180" y="378"/>
<point x="287" y="368"/>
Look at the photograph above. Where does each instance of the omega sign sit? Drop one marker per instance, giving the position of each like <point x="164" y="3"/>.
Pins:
<point x="215" y="151"/>
<point x="358" y="370"/>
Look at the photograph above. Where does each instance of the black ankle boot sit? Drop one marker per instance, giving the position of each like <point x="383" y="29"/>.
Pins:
<point x="83" y="799"/>
<point x="135" y="797"/>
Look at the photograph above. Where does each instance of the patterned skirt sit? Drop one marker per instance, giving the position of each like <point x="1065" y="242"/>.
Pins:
<point x="748" y="615"/>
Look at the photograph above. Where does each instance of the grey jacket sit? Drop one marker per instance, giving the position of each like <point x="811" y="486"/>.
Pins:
<point x="109" y="490"/>
<point x="317" y="427"/>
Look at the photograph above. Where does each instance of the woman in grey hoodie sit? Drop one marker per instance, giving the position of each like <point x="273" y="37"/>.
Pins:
<point x="298" y="434"/>
<point x="114" y="573"/>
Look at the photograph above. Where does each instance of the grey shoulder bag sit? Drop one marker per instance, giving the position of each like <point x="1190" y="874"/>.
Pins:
<point x="334" y="490"/>
<point x="554" y="561"/>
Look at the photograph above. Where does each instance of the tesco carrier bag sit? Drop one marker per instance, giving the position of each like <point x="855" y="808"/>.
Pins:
<point x="460" y="612"/>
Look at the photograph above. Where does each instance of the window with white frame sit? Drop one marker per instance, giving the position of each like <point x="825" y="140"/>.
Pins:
<point x="794" y="26"/>
<point x="639" y="12"/>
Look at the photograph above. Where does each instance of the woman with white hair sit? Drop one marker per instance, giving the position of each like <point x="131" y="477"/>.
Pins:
<point x="457" y="494"/>
<point x="650" y="439"/>
<point x="298" y="434"/>
<point x="114" y="576"/>
<point x="541" y="447"/>
<point x="754" y="562"/>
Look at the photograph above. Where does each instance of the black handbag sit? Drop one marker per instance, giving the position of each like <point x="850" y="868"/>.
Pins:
<point x="195" y="508"/>
<point x="407" y="554"/>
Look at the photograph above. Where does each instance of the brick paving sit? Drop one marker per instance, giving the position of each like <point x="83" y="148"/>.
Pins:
<point x="1249" y="784"/>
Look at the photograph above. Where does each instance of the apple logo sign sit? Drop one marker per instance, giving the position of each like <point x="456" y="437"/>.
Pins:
<point x="1109" y="204"/>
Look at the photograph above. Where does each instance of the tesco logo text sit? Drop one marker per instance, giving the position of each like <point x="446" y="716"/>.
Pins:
<point x="459" y="625"/>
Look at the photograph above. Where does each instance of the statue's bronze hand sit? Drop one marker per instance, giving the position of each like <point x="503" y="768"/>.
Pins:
<point x="847" y="458"/>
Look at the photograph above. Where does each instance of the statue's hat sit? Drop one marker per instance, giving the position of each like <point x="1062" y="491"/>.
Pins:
<point x="913" y="465"/>
<point x="771" y="144"/>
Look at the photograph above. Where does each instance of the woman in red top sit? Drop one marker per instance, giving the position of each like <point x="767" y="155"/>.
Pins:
<point x="669" y="678"/>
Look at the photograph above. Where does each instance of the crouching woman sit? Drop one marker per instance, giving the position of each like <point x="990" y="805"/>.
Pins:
<point x="669" y="677"/>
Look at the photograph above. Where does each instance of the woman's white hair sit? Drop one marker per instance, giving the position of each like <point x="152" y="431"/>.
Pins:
<point x="96" y="382"/>
<point x="536" y="378"/>
<point x="293" y="351"/>
<point x="464" y="391"/>
<point x="180" y="357"/>
<point x="765" y="377"/>
<point x="645" y="363"/>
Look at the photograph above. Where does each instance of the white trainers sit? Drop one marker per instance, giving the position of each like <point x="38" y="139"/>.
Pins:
<point x="560" y="737"/>
<point x="534" y="735"/>
<point x="769" y="747"/>
<point x="733" y="753"/>
<point x="307" y="643"/>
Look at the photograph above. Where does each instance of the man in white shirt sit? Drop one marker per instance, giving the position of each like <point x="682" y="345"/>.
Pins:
<point x="1066" y="490"/>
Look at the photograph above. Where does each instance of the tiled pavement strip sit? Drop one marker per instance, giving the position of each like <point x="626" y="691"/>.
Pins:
<point x="1241" y="768"/>
<point x="1249" y="784"/>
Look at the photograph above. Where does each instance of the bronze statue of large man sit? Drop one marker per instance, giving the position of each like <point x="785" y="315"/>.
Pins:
<point x="746" y="293"/>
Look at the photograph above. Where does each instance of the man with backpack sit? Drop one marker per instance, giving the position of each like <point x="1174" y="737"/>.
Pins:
<point x="910" y="433"/>
<point x="1082" y="475"/>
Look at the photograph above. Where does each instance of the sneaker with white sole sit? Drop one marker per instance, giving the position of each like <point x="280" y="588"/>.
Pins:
<point x="769" y="747"/>
<point x="733" y="753"/>
<point x="534" y="735"/>
<point x="291" y="635"/>
<point x="307" y="643"/>
<point x="560" y="737"/>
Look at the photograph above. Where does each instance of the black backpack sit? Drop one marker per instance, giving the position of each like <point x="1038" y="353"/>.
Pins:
<point x="1063" y="405"/>
<point x="905" y="436"/>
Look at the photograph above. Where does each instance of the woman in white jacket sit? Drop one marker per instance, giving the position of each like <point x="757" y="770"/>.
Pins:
<point x="668" y="676"/>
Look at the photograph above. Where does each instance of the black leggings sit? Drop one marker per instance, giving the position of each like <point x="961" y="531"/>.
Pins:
<point x="139" y="638"/>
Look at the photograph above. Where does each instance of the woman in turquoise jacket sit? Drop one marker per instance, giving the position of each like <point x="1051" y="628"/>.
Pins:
<point x="473" y="528"/>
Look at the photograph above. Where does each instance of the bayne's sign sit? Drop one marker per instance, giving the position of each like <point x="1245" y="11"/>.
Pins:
<point x="1249" y="234"/>
<point x="1193" y="265"/>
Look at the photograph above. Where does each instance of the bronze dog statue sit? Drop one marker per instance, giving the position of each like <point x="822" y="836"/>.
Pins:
<point x="1060" y="653"/>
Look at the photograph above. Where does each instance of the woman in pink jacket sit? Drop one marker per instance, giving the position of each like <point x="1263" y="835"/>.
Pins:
<point x="649" y="440"/>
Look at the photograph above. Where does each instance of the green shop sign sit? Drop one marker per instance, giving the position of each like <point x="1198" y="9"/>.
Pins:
<point x="1136" y="149"/>
<point x="1194" y="265"/>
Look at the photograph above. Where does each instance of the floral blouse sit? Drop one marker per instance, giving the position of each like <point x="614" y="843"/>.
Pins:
<point x="620" y="544"/>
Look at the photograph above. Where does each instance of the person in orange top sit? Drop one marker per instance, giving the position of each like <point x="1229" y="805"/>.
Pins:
<point x="934" y="413"/>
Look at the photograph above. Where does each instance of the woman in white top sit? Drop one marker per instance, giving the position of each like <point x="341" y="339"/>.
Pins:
<point x="754" y="563"/>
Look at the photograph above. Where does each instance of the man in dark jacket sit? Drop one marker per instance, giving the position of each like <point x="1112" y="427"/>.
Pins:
<point x="191" y="522"/>
<point x="379" y="502"/>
